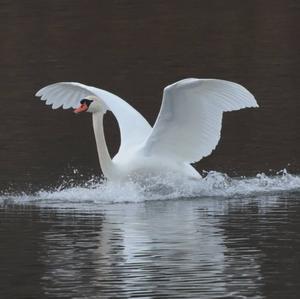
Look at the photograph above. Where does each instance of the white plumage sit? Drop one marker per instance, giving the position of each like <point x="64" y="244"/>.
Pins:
<point x="187" y="128"/>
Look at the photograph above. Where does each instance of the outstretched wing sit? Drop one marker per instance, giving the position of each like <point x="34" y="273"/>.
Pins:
<point x="189" y="123"/>
<point x="133" y="127"/>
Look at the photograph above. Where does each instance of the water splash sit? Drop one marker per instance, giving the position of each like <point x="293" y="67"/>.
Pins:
<point x="213" y="184"/>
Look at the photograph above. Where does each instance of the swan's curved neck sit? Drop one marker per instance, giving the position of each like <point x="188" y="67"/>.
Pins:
<point x="106" y="163"/>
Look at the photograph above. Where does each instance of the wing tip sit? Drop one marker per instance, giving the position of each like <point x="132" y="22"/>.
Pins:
<point x="41" y="91"/>
<point x="254" y="103"/>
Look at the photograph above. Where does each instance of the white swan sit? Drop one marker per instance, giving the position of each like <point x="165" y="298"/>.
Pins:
<point x="187" y="128"/>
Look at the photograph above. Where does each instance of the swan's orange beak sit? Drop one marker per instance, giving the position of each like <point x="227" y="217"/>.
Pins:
<point x="81" y="108"/>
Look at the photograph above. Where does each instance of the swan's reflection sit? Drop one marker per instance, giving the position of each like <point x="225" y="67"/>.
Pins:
<point x="175" y="248"/>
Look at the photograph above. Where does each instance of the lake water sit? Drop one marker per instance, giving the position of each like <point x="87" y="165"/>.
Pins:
<point x="66" y="233"/>
<point x="107" y="242"/>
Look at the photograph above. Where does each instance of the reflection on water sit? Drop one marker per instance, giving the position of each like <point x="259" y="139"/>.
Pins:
<point x="201" y="248"/>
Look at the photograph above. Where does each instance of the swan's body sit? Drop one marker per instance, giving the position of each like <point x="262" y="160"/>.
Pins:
<point x="187" y="128"/>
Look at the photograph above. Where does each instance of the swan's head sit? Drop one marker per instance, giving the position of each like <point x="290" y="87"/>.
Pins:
<point x="91" y="104"/>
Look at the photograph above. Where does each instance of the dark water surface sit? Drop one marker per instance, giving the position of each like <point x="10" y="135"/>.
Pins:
<point x="220" y="238"/>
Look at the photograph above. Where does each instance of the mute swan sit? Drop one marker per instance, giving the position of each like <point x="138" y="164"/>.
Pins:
<point x="187" y="128"/>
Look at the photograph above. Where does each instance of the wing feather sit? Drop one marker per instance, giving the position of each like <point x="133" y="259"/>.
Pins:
<point x="189" y="123"/>
<point x="133" y="127"/>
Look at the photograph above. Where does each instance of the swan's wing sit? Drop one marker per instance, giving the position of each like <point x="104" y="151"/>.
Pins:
<point x="189" y="123"/>
<point x="133" y="127"/>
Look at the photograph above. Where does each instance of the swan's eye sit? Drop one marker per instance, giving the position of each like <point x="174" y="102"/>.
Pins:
<point x="86" y="101"/>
